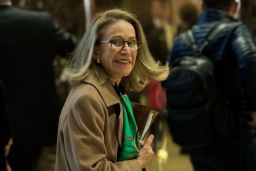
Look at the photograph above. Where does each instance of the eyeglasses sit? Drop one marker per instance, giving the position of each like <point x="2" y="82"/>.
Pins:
<point x="118" y="43"/>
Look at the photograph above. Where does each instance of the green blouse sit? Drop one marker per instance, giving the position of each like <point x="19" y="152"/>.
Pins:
<point x="131" y="137"/>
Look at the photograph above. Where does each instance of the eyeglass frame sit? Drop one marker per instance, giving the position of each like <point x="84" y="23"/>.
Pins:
<point x="124" y="42"/>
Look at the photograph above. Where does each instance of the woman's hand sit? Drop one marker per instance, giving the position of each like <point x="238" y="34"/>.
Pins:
<point x="146" y="153"/>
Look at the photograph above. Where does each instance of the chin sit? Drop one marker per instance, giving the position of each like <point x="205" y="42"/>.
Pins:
<point x="127" y="73"/>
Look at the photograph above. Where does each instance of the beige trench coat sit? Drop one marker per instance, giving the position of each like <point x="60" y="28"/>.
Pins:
<point x="90" y="129"/>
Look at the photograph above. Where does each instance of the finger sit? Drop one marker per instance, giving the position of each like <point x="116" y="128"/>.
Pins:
<point x="149" y="140"/>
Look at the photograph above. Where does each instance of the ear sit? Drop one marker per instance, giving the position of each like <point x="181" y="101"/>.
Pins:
<point x="234" y="8"/>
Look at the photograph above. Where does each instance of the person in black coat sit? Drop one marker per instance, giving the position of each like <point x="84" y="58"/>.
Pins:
<point x="29" y="41"/>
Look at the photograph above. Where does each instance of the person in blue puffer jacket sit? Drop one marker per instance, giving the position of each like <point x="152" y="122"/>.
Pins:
<point x="233" y="55"/>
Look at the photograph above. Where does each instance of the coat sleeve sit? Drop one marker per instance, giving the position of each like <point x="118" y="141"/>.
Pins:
<point x="245" y="51"/>
<point x="84" y="134"/>
<point x="64" y="42"/>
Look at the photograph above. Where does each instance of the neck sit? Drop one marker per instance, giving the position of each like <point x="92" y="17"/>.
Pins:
<point x="5" y="2"/>
<point x="115" y="81"/>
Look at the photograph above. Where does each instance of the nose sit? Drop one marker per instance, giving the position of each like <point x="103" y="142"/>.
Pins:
<point x="126" y="50"/>
<point x="125" y="47"/>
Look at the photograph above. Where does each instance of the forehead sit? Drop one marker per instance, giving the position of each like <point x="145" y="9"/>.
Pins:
<point x="119" y="28"/>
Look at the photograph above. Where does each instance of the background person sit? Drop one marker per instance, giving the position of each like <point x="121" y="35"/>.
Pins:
<point x="29" y="42"/>
<point x="233" y="54"/>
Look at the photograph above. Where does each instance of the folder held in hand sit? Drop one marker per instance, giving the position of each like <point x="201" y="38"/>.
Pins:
<point x="144" y="117"/>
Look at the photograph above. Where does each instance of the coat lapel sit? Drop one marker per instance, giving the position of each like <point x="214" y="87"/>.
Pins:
<point x="109" y="96"/>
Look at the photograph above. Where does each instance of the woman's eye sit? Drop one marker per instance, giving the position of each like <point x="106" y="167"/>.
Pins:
<point x="116" y="42"/>
<point x="131" y="42"/>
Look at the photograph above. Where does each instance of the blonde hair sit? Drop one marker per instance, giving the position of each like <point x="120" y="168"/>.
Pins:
<point x="82" y="61"/>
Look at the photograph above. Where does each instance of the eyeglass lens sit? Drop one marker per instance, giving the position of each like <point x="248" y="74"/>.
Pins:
<point x="118" y="42"/>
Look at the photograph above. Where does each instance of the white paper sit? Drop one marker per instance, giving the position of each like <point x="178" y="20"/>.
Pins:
<point x="147" y="125"/>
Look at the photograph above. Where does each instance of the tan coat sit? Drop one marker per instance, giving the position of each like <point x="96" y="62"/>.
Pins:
<point x="90" y="129"/>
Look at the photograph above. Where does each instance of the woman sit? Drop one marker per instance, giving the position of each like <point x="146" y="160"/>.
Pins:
<point x="97" y="129"/>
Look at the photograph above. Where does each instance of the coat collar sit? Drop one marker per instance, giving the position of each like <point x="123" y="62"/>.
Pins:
<point x="109" y="96"/>
<point x="105" y="88"/>
<point x="212" y="15"/>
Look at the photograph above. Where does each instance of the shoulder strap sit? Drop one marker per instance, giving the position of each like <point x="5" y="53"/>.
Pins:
<point x="209" y="39"/>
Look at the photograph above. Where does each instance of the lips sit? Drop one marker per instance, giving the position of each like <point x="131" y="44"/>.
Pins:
<point x="123" y="61"/>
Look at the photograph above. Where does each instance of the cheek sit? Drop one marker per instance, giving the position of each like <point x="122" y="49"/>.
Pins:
<point x="107" y="57"/>
<point x="108" y="61"/>
<point x="134" y="58"/>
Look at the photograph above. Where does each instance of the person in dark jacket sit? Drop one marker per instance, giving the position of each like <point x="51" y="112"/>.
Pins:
<point x="233" y="54"/>
<point x="29" y="42"/>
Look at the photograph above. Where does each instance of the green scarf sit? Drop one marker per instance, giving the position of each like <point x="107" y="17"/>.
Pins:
<point x="131" y="137"/>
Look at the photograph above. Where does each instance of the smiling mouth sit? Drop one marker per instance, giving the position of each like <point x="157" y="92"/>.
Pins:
<point x="123" y="61"/>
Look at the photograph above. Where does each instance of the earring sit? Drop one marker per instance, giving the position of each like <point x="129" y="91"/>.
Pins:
<point x="98" y="60"/>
